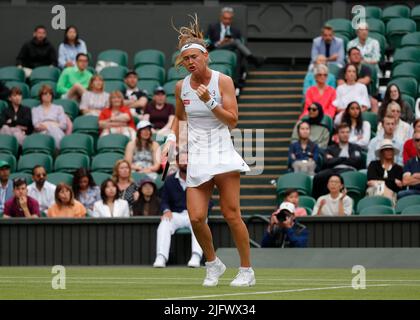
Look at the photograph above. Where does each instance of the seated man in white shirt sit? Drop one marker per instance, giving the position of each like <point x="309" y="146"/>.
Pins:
<point x="41" y="190"/>
<point x="388" y="125"/>
<point x="175" y="216"/>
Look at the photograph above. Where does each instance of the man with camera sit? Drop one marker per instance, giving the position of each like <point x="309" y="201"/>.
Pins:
<point x="284" y="230"/>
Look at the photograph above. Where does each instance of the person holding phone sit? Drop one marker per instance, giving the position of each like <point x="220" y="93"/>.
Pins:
<point x="336" y="202"/>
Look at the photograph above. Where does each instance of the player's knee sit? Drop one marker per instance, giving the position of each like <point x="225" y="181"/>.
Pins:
<point x="197" y="220"/>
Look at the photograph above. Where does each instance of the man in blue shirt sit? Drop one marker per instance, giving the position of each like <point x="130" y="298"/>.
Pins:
<point x="175" y="216"/>
<point x="411" y="176"/>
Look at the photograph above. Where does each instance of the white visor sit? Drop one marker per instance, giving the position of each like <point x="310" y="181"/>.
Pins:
<point x="193" y="46"/>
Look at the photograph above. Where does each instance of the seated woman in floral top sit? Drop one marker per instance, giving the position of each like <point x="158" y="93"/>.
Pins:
<point x="85" y="189"/>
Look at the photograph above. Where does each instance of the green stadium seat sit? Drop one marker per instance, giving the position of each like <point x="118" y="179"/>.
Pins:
<point x="151" y="72"/>
<point x="100" y="177"/>
<point x="407" y="69"/>
<point x="407" y="202"/>
<point x="22" y="86"/>
<point x="9" y="144"/>
<point x="114" y="85"/>
<point x="77" y="143"/>
<point x="334" y="69"/>
<point x="36" y="87"/>
<point x="342" y="26"/>
<point x="170" y="87"/>
<point x="382" y="43"/>
<point x="87" y="124"/>
<point x="396" y="11"/>
<point x="12" y="73"/>
<point x="31" y="103"/>
<point x="114" y="73"/>
<point x="223" y="68"/>
<point x="177" y="74"/>
<point x="411" y="40"/>
<point x="373" y="86"/>
<point x="112" y="143"/>
<point x="70" y="107"/>
<point x="373" y="201"/>
<point x="28" y="161"/>
<point x="396" y="29"/>
<point x="411" y="102"/>
<point x="70" y="162"/>
<point x="307" y="202"/>
<point x="149" y="86"/>
<point x="149" y="56"/>
<point x="44" y="73"/>
<point x="23" y="175"/>
<point x="171" y="99"/>
<point x="104" y="162"/>
<point x="372" y="118"/>
<point x="10" y="159"/>
<point x="137" y="176"/>
<point x="373" y="12"/>
<point x="377" y="211"/>
<point x="60" y="177"/>
<point x="223" y="56"/>
<point x="411" y="211"/>
<point x="415" y="15"/>
<point x="113" y="55"/>
<point x="376" y="25"/>
<point x="407" y="86"/>
<point x="406" y="54"/>
<point x="294" y="180"/>
<point x="355" y="182"/>
<point x="38" y="143"/>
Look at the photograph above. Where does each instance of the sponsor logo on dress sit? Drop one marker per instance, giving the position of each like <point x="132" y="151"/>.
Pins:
<point x="186" y="102"/>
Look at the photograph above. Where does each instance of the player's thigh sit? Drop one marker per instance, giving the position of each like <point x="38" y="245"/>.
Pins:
<point x="198" y="201"/>
<point x="229" y="190"/>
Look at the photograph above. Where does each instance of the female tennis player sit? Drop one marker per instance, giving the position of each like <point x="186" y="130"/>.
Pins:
<point x="206" y="100"/>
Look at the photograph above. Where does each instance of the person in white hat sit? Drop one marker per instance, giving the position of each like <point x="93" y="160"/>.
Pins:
<point x="384" y="175"/>
<point x="284" y="230"/>
<point x="143" y="154"/>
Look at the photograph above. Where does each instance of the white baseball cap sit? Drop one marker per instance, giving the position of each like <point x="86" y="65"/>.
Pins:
<point x="143" y="124"/>
<point x="287" y="206"/>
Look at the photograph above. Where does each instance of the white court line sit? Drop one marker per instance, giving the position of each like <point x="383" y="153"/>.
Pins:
<point x="199" y="279"/>
<point x="265" y="292"/>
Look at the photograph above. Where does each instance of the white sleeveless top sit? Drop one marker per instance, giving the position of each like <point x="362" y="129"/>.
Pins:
<point x="210" y="148"/>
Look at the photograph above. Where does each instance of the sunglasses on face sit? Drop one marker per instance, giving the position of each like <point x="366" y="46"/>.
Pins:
<point x="322" y="74"/>
<point x="417" y="140"/>
<point x="312" y="109"/>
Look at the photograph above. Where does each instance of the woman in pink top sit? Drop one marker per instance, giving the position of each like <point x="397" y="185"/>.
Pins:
<point x="321" y="93"/>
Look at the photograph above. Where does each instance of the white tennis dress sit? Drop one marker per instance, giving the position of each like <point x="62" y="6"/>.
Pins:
<point x="210" y="148"/>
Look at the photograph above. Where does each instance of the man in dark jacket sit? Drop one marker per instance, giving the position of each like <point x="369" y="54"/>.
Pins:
<point x="339" y="157"/>
<point x="16" y="120"/>
<point x="37" y="52"/>
<point x="223" y="35"/>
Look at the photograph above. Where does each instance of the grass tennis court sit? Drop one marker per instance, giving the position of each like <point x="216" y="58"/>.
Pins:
<point x="184" y="283"/>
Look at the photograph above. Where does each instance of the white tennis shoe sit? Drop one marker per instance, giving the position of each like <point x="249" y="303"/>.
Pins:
<point x="215" y="270"/>
<point x="194" y="261"/>
<point x="244" y="278"/>
<point x="160" y="262"/>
